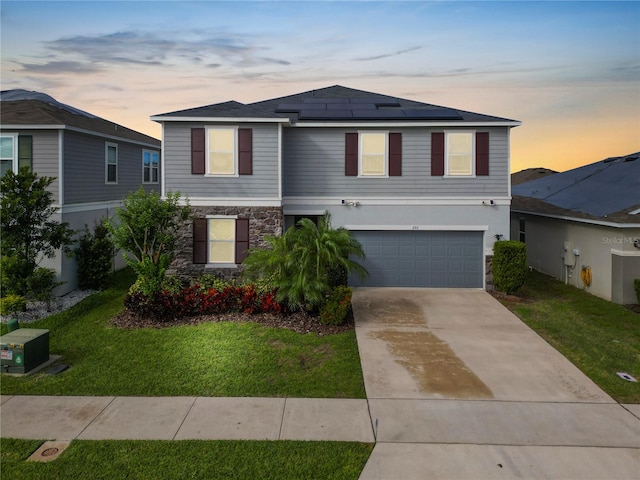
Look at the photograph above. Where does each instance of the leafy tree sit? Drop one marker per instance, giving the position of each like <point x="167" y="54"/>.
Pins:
<point x="146" y="232"/>
<point x="301" y="261"/>
<point x="28" y="230"/>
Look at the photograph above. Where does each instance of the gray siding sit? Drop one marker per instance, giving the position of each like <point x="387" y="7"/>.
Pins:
<point x="177" y="163"/>
<point x="313" y="162"/>
<point x="84" y="169"/>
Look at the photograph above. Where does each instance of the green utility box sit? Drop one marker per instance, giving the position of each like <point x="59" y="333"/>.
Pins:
<point x="23" y="350"/>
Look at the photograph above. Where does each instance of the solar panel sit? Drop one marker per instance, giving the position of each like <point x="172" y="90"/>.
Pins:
<point x="382" y="114"/>
<point x="432" y="114"/>
<point x="325" y="114"/>
<point x="296" y="107"/>
<point x="325" y="100"/>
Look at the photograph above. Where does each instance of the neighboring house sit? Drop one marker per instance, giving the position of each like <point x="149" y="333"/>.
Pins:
<point x="588" y="217"/>
<point x="425" y="189"/>
<point x="96" y="163"/>
<point x="530" y="174"/>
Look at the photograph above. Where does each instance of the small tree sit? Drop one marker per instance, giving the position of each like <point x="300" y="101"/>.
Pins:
<point x="146" y="232"/>
<point x="28" y="229"/>
<point x="509" y="265"/>
<point x="302" y="261"/>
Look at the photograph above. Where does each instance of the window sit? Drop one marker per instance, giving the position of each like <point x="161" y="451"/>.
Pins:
<point x="221" y="151"/>
<point x="149" y="166"/>
<point x="220" y="240"/>
<point x="459" y="153"/>
<point x="373" y="154"/>
<point x="521" y="229"/>
<point x="222" y="233"/>
<point x="8" y="157"/>
<point x="111" y="161"/>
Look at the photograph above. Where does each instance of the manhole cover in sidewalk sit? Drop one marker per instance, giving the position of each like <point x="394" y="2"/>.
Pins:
<point x="48" y="451"/>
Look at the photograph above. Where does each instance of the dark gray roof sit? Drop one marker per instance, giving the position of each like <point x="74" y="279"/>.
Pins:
<point x="20" y="107"/>
<point x="339" y="104"/>
<point x="231" y="109"/>
<point x="599" y="190"/>
<point x="530" y="174"/>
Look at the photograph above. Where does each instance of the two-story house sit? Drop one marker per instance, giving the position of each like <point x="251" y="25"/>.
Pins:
<point x="424" y="188"/>
<point x="95" y="162"/>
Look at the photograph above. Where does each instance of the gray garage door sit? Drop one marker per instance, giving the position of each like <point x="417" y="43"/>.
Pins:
<point x="421" y="259"/>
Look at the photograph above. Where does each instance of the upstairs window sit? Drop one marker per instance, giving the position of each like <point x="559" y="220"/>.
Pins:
<point x="459" y="154"/>
<point x="373" y="154"/>
<point x="150" y="166"/>
<point x="221" y="151"/>
<point x="111" y="163"/>
<point x="8" y="153"/>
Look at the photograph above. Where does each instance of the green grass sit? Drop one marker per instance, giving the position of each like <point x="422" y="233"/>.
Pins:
<point x="211" y="359"/>
<point x="599" y="337"/>
<point x="188" y="459"/>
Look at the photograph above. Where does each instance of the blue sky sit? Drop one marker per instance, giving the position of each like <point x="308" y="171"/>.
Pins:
<point x="570" y="71"/>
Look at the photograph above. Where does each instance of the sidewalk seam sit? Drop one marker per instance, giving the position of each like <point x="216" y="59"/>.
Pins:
<point x="185" y="418"/>
<point x="284" y="409"/>
<point x="95" y="418"/>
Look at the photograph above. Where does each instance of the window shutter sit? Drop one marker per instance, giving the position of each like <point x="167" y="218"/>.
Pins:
<point x="245" y="151"/>
<point x="482" y="153"/>
<point x="197" y="151"/>
<point x="242" y="239"/>
<point x="395" y="154"/>
<point x="351" y="154"/>
<point x="200" y="240"/>
<point x="437" y="154"/>
<point x="25" y="151"/>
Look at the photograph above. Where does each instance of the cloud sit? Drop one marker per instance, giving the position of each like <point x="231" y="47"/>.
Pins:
<point x="58" y="67"/>
<point x="386" y="55"/>
<point x="168" y="48"/>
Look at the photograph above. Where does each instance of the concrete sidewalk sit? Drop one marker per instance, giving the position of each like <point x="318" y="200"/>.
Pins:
<point x="181" y="418"/>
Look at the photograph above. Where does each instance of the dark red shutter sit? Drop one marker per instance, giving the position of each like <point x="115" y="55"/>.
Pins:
<point x="395" y="154"/>
<point x="437" y="154"/>
<point x="245" y="151"/>
<point x="200" y="240"/>
<point x="197" y="151"/>
<point x="242" y="239"/>
<point x="351" y="154"/>
<point x="482" y="153"/>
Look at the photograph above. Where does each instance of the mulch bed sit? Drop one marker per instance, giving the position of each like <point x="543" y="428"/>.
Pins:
<point x="299" y="322"/>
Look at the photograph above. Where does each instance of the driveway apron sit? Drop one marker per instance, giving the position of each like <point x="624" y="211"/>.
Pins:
<point x="453" y="377"/>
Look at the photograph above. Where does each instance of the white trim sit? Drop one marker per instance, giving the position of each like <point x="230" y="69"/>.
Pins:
<point x="86" y="207"/>
<point x="60" y="167"/>
<point x="625" y="253"/>
<point x="14" y="150"/>
<point x="580" y="220"/>
<point x="635" y="212"/>
<point x="163" y="181"/>
<point x="231" y="202"/>
<point x="162" y="118"/>
<point x="280" y="161"/>
<point x="409" y="124"/>
<point x="81" y="130"/>
<point x="421" y="228"/>
<point x="293" y="213"/>
<point x="235" y="217"/>
<point x="379" y="201"/>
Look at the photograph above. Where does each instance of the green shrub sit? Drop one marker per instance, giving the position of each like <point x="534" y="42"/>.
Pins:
<point x="636" y="286"/>
<point x="40" y="285"/>
<point x="12" y="304"/>
<point x="509" y="265"/>
<point x="215" y="282"/>
<point x="94" y="255"/>
<point x="337" y="307"/>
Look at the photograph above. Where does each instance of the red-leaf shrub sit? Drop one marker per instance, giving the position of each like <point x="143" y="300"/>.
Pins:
<point x="193" y="300"/>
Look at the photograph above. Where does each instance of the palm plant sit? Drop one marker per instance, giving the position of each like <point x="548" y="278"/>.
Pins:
<point x="300" y="261"/>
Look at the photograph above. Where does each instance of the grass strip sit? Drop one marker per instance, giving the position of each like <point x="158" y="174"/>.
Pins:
<point x="188" y="459"/>
<point x="598" y="336"/>
<point x="211" y="359"/>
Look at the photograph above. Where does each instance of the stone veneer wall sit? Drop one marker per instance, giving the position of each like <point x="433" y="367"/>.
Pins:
<point x="489" y="273"/>
<point x="262" y="221"/>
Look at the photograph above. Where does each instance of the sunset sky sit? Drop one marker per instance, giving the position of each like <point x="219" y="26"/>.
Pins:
<point x="570" y="71"/>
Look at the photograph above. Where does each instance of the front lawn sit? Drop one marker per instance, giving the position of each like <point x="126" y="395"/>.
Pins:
<point x="188" y="459"/>
<point x="210" y="359"/>
<point x="599" y="337"/>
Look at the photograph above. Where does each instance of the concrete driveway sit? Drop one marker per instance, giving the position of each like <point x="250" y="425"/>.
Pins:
<point x="459" y="387"/>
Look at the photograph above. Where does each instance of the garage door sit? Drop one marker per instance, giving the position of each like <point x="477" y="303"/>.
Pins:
<point x="421" y="259"/>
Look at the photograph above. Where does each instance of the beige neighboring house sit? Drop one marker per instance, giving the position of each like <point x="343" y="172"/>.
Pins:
<point x="587" y="218"/>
